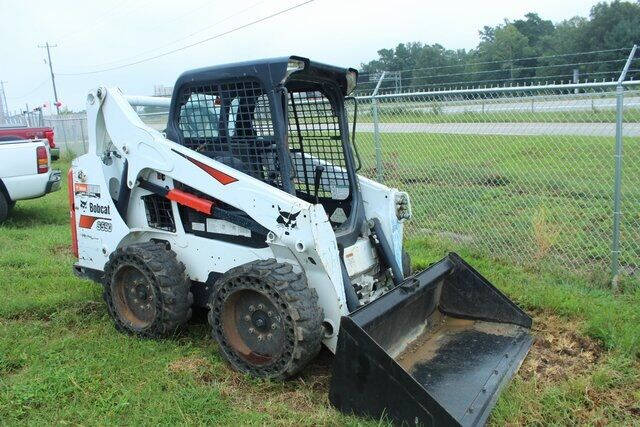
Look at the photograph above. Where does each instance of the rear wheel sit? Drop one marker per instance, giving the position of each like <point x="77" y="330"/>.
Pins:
<point x="266" y="319"/>
<point x="146" y="290"/>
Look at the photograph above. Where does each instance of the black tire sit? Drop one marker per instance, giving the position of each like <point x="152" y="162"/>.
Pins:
<point x="11" y="204"/>
<point x="4" y="208"/>
<point x="407" y="270"/>
<point x="290" y="334"/>
<point x="147" y="272"/>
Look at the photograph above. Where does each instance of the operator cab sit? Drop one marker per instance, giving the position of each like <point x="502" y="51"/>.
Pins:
<point x="282" y="121"/>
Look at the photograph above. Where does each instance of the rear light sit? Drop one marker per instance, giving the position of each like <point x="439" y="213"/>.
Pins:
<point x="72" y="213"/>
<point x="43" y="159"/>
<point x="49" y="135"/>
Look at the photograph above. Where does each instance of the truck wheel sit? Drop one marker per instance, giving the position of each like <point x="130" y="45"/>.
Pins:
<point x="4" y="208"/>
<point x="406" y="264"/>
<point x="146" y="290"/>
<point x="266" y="319"/>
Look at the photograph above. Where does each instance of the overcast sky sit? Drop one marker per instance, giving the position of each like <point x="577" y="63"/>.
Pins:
<point x="94" y="35"/>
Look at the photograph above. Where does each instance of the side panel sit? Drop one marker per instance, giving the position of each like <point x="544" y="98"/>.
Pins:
<point x="379" y="202"/>
<point x="99" y="227"/>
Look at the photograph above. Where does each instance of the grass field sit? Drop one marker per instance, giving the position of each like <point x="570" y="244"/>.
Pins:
<point x="61" y="360"/>
<point x="433" y="114"/>
<point x="532" y="199"/>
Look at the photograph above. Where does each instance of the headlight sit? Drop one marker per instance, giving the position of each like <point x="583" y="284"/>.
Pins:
<point x="352" y="79"/>
<point x="403" y="206"/>
<point x="294" y="65"/>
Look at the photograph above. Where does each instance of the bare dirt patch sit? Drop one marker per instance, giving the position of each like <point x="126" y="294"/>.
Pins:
<point x="561" y="354"/>
<point x="559" y="351"/>
<point x="61" y="250"/>
<point x="305" y="394"/>
<point x="190" y="365"/>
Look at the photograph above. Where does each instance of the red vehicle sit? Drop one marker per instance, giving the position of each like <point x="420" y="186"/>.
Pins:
<point x="14" y="133"/>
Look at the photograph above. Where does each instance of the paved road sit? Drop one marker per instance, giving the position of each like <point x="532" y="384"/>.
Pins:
<point x="537" y="105"/>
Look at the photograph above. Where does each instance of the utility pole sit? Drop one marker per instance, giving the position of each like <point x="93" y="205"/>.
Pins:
<point x="4" y="97"/>
<point x="53" y="79"/>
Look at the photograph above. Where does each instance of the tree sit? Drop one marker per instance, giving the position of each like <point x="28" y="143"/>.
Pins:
<point x="525" y="50"/>
<point x="612" y="25"/>
<point x="499" y="57"/>
<point x="535" y="29"/>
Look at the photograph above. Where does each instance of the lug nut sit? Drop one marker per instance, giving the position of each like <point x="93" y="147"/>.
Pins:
<point x="260" y="337"/>
<point x="260" y="307"/>
<point x="273" y="326"/>
<point x="247" y="318"/>
<point x="251" y="330"/>
<point x="269" y="336"/>
<point x="270" y="313"/>
<point x="252" y="308"/>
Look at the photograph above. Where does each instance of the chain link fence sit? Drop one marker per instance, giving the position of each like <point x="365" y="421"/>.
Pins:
<point x="522" y="173"/>
<point x="70" y="133"/>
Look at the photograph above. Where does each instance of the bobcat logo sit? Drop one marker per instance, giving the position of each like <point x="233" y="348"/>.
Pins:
<point x="287" y="219"/>
<point x="83" y="204"/>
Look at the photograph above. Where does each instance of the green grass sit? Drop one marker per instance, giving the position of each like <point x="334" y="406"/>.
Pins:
<point x="531" y="199"/>
<point x="432" y="114"/>
<point x="61" y="360"/>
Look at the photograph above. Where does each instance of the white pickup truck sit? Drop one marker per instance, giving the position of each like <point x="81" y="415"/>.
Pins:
<point x="25" y="172"/>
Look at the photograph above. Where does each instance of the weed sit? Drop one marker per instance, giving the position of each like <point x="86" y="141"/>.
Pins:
<point x="544" y="234"/>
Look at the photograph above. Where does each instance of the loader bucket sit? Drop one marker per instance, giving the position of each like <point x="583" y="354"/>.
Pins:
<point x="435" y="350"/>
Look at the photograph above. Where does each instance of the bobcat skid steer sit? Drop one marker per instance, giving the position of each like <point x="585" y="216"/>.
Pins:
<point x="249" y="203"/>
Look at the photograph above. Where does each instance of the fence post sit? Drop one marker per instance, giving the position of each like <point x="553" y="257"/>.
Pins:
<point x="376" y="131"/>
<point x="617" y="190"/>
<point x="64" y="134"/>
<point x="84" y="142"/>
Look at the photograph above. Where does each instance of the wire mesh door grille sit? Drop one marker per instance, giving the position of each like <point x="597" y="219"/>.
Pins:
<point x="315" y="138"/>
<point x="231" y="123"/>
<point x="159" y="213"/>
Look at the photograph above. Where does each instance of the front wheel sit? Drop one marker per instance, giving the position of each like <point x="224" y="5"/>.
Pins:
<point x="146" y="290"/>
<point x="266" y="319"/>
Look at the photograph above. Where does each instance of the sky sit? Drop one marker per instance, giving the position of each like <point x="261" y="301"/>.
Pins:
<point x="95" y="35"/>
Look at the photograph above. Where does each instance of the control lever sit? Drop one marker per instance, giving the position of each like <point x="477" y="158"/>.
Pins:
<point x="316" y="180"/>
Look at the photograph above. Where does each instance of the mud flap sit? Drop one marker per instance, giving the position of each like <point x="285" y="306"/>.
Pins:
<point x="435" y="350"/>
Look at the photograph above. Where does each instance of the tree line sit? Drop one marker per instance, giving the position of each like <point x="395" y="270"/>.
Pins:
<point x="523" y="51"/>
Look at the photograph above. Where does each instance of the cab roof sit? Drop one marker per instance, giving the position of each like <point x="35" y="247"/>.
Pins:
<point x="270" y="72"/>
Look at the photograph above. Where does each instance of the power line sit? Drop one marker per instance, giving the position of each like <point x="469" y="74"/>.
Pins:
<point x="103" y="19"/>
<point x="515" y="59"/>
<point x="515" y="69"/>
<point x="181" y="38"/>
<point x="192" y="44"/>
<point x="42" y="83"/>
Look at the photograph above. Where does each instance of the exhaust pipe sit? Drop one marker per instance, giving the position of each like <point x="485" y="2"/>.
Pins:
<point x="437" y="349"/>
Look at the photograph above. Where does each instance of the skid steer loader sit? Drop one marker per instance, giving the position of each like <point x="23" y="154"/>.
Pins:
<point x="249" y="203"/>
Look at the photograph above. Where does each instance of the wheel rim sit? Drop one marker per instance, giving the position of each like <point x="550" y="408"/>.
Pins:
<point x="134" y="297"/>
<point x="254" y="327"/>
